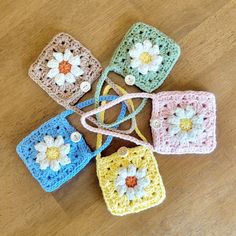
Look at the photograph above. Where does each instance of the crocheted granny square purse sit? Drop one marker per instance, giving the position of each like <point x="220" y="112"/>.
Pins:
<point x="181" y="122"/>
<point x="66" y="70"/>
<point x="56" y="151"/>
<point x="129" y="179"/>
<point x="144" y="57"/>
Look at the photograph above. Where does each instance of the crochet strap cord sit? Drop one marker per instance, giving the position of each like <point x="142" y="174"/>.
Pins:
<point x="100" y="83"/>
<point x="90" y="102"/>
<point x="66" y="70"/>
<point x="102" y="115"/>
<point x="109" y="132"/>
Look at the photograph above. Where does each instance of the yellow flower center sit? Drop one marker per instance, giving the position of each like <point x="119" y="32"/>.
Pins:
<point x="53" y="153"/>
<point x="145" y="57"/>
<point x="186" y="124"/>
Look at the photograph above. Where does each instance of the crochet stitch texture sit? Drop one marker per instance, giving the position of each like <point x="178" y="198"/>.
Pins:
<point x="80" y="153"/>
<point x="68" y="93"/>
<point x="203" y="104"/>
<point x="107" y="172"/>
<point x="165" y="105"/>
<point x="138" y="33"/>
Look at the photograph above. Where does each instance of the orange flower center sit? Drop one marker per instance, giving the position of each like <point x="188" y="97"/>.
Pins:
<point x="64" y="67"/>
<point x="131" y="181"/>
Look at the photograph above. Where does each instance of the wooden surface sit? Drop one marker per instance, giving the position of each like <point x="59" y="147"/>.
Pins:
<point x="201" y="189"/>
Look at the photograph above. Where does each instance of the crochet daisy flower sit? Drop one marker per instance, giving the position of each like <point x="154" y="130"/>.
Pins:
<point x="64" y="67"/>
<point x="186" y="124"/>
<point x="132" y="182"/>
<point x="52" y="153"/>
<point x="145" y="57"/>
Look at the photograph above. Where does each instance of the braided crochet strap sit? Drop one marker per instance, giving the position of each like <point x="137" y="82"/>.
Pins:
<point x="115" y="134"/>
<point x="90" y="102"/>
<point x="100" y="83"/>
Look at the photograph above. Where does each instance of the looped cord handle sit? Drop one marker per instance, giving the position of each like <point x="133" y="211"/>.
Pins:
<point x="112" y="133"/>
<point x="100" y="83"/>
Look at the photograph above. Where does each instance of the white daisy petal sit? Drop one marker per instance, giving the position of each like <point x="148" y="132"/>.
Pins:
<point x="174" y="120"/>
<point x="44" y="164"/>
<point x="131" y="170"/>
<point x="157" y="60"/>
<point x="67" y="55"/>
<point x="76" y="71"/>
<point x="59" y="141"/>
<point x="60" y="79"/>
<point x="130" y="194"/>
<point x="119" y="181"/>
<point x="143" y="69"/>
<point x="198" y="119"/>
<point x="122" y="172"/>
<point x="138" y="46"/>
<point x="53" y="72"/>
<point x="147" y="44"/>
<point x="154" y="50"/>
<point x="141" y="172"/>
<point x="135" y="63"/>
<point x="191" y="135"/>
<point x="70" y="78"/>
<point x="65" y="149"/>
<point x="182" y="137"/>
<point x="134" y="53"/>
<point x="53" y="63"/>
<point x="54" y="165"/>
<point x="144" y="182"/>
<point x="154" y="67"/>
<point x="189" y="112"/>
<point x="64" y="160"/>
<point x="121" y="189"/>
<point x="174" y="129"/>
<point x="58" y="56"/>
<point x="139" y="192"/>
<point x="41" y="147"/>
<point x="49" y="140"/>
<point x="40" y="156"/>
<point x="75" y="61"/>
<point x="180" y="112"/>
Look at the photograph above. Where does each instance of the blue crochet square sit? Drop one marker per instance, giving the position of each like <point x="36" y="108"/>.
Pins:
<point x="121" y="60"/>
<point x="80" y="153"/>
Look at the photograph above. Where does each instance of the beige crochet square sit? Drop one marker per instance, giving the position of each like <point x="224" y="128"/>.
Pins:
<point x="69" y="93"/>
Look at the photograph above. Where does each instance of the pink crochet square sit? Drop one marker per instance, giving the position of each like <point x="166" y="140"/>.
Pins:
<point x="68" y="93"/>
<point x="184" y="122"/>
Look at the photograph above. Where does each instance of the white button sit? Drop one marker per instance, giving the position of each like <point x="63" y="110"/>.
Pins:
<point x="123" y="151"/>
<point x="75" y="137"/>
<point x="129" y="79"/>
<point x="85" y="86"/>
<point x="155" y="123"/>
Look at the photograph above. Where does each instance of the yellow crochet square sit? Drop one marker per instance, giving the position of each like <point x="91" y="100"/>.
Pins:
<point x="108" y="169"/>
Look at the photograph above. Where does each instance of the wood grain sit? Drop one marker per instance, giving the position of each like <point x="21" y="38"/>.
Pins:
<point x="200" y="189"/>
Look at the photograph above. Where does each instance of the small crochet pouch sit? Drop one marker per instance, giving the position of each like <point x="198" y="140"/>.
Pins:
<point x="129" y="179"/>
<point x="56" y="151"/>
<point x="66" y="70"/>
<point x="144" y="57"/>
<point x="181" y="122"/>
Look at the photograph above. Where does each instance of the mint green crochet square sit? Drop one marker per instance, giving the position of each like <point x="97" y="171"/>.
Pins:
<point x="168" y="50"/>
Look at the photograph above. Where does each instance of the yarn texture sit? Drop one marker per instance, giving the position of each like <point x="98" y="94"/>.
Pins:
<point x="142" y="38"/>
<point x="186" y="122"/>
<point x="181" y="122"/>
<point x="68" y="93"/>
<point x="79" y="155"/>
<point x="66" y="69"/>
<point x="109" y="169"/>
